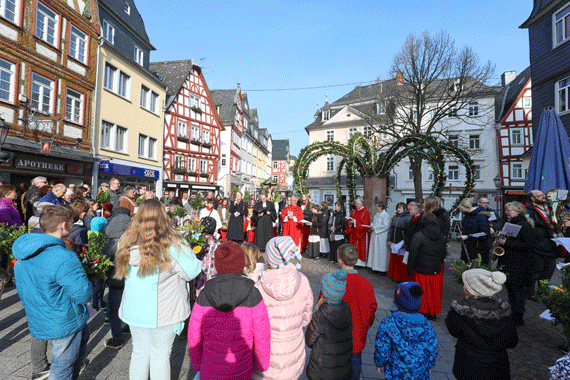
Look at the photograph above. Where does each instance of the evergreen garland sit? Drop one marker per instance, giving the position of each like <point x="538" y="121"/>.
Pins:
<point x="94" y="261"/>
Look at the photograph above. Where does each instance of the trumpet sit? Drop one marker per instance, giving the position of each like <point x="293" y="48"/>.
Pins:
<point x="497" y="252"/>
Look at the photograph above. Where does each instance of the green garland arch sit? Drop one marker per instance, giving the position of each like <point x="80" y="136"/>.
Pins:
<point x="359" y="155"/>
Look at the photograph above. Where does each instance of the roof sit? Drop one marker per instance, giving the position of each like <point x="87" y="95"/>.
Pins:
<point x="227" y="100"/>
<point x="133" y="20"/>
<point x="541" y="7"/>
<point x="512" y="92"/>
<point x="173" y="73"/>
<point x="280" y="150"/>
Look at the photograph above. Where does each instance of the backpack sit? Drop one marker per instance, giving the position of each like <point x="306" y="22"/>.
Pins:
<point x="209" y="224"/>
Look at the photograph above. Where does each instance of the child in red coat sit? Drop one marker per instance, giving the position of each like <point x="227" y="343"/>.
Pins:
<point x="362" y="301"/>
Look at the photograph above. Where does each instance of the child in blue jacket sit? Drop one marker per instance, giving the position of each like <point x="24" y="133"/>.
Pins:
<point x="406" y="345"/>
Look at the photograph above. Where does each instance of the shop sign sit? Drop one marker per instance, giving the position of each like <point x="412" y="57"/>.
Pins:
<point x="75" y="168"/>
<point x="133" y="171"/>
<point x="31" y="163"/>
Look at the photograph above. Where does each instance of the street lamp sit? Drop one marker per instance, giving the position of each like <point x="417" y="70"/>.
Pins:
<point x="498" y="181"/>
<point x="498" y="184"/>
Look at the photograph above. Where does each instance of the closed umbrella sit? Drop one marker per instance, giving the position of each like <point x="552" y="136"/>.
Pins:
<point x="549" y="166"/>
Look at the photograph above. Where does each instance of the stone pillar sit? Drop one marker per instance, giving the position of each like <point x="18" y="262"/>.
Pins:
<point x="373" y="186"/>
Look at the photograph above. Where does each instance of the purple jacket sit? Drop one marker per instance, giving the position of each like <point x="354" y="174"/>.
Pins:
<point x="229" y="331"/>
<point x="8" y="213"/>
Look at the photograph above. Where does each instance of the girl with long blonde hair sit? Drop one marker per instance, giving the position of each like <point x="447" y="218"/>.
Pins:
<point x="156" y="264"/>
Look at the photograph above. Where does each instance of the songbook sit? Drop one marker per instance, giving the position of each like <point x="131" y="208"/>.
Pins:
<point x="493" y="217"/>
<point x="546" y="315"/>
<point x="405" y="258"/>
<point x="511" y="230"/>
<point x="396" y="247"/>
<point x="366" y="225"/>
<point x="562" y="195"/>
<point x="478" y="234"/>
<point x="561" y="266"/>
<point x="305" y="221"/>
<point x="565" y="242"/>
<point x="290" y="213"/>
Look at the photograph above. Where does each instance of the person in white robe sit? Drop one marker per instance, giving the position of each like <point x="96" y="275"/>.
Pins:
<point x="378" y="253"/>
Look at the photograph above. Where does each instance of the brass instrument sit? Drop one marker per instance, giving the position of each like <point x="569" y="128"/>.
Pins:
<point x="497" y="252"/>
<point x="559" y="213"/>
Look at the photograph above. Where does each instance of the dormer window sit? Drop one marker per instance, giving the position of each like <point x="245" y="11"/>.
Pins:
<point x="326" y="115"/>
<point x="127" y="8"/>
<point x="380" y="108"/>
<point x="456" y="87"/>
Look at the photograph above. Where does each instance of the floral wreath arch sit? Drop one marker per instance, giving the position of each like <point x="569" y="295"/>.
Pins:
<point x="358" y="155"/>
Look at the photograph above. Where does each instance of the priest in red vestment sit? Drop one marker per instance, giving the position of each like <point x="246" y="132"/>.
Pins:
<point x="358" y="225"/>
<point x="291" y="217"/>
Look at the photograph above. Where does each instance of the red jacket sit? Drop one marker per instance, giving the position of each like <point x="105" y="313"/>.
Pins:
<point x="360" y="296"/>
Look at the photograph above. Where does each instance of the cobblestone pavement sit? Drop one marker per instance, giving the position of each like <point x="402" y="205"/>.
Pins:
<point x="529" y="360"/>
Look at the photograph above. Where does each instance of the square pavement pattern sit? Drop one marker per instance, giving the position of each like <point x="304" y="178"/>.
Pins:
<point x="530" y="360"/>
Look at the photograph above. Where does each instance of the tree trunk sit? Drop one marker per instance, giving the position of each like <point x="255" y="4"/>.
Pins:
<point x="416" y="163"/>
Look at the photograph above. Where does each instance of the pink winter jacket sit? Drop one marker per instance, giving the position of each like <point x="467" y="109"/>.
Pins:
<point x="229" y="332"/>
<point x="289" y="300"/>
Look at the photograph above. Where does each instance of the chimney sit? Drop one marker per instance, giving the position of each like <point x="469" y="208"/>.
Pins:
<point x="508" y="77"/>
<point x="400" y="78"/>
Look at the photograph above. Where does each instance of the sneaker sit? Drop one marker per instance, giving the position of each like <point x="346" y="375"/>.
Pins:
<point x="126" y="329"/>
<point x="113" y="343"/>
<point x="41" y="375"/>
<point x="316" y="258"/>
<point x="106" y="321"/>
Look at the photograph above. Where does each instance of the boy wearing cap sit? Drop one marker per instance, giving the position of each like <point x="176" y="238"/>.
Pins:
<point x="229" y="331"/>
<point x="483" y="327"/>
<point x="329" y="334"/>
<point x="406" y="345"/>
<point x="362" y="301"/>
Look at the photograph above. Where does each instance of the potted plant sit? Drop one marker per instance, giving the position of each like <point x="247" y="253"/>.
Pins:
<point x="557" y="300"/>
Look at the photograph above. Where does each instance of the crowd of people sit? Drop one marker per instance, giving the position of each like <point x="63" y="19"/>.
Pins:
<point x="248" y="303"/>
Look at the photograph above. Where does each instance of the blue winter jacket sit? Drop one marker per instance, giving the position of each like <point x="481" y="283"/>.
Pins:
<point x="406" y="346"/>
<point x="52" y="286"/>
<point x="51" y="198"/>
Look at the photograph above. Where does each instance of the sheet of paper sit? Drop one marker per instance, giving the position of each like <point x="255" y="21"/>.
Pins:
<point x="396" y="247"/>
<point x="511" y="230"/>
<point x="304" y="221"/>
<point x="565" y="242"/>
<point x="405" y="258"/>
<point x="479" y="234"/>
<point x="366" y="225"/>
<point x="290" y="214"/>
<point x="493" y="217"/>
<point x="562" y="195"/>
<point x="350" y="218"/>
<point x="546" y="315"/>
<point x="561" y="266"/>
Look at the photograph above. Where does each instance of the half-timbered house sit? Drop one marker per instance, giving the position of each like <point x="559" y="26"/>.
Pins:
<point x="192" y="128"/>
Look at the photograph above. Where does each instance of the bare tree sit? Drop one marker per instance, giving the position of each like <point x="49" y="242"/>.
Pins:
<point x="433" y="80"/>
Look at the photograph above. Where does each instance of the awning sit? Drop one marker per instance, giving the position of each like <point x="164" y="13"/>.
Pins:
<point x="515" y="193"/>
<point x="133" y="171"/>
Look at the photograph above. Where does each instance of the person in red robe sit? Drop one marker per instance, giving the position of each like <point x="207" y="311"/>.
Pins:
<point x="358" y="225"/>
<point x="306" y="205"/>
<point x="291" y="217"/>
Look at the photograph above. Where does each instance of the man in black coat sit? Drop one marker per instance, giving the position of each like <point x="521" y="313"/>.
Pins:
<point x="31" y="195"/>
<point x="264" y="216"/>
<point x="282" y="206"/>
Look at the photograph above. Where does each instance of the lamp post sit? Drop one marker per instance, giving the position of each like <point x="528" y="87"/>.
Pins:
<point x="498" y="181"/>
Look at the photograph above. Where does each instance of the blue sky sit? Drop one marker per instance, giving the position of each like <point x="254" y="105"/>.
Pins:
<point x="272" y="44"/>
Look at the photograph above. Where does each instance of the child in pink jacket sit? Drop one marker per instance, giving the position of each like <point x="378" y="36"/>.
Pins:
<point x="229" y="332"/>
<point x="289" y="299"/>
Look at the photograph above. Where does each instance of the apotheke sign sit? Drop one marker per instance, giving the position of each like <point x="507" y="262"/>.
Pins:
<point x="28" y="163"/>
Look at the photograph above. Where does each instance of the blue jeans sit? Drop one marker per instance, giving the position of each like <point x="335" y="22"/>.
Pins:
<point x="98" y="291"/>
<point x="113" y="303"/>
<point x="356" y="365"/>
<point x="151" y="352"/>
<point x="67" y="354"/>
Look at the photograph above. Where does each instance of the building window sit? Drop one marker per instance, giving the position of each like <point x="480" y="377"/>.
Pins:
<point x="330" y="135"/>
<point x="127" y="8"/>
<point x="474" y="142"/>
<point x="517" y="172"/>
<point x="194" y="101"/>
<point x="326" y="115"/>
<point x="108" y="31"/>
<point x="78" y="44"/>
<point x="380" y="108"/>
<point x="147" y="147"/>
<point x="144" y="96"/>
<point x="276" y="178"/>
<point x="124" y="84"/>
<point x="47" y="23"/>
<point x="153" y="102"/>
<point x="275" y="165"/>
<point x="195" y="133"/>
<point x="477" y="172"/>
<point x="453" y="173"/>
<point x="113" y="137"/>
<point x="527" y="102"/>
<point x="517" y="137"/>
<point x="452" y="112"/>
<point x="203" y="166"/>
<point x="179" y="162"/>
<point x="453" y="140"/>
<point x="562" y="26"/>
<point x="139" y="56"/>
<point x="182" y="129"/>
<point x="9" y="9"/>
<point x="430" y="175"/>
<point x="74" y="106"/>
<point x="473" y="109"/>
<point x="352" y="131"/>
<point x="563" y="98"/>
<point x="330" y="163"/>
<point x="410" y="173"/>
<point x="206" y="136"/>
<point x="7" y="76"/>
<point x="109" y="79"/>
<point x="368" y="131"/>
<point x="192" y="165"/>
<point x="42" y="93"/>
<point x="223" y="162"/>
<point x="149" y="99"/>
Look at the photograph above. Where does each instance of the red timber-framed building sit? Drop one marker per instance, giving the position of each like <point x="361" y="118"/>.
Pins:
<point x="514" y="136"/>
<point x="192" y="128"/>
<point x="280" y="162"/>
<point x="230" y="108"/>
